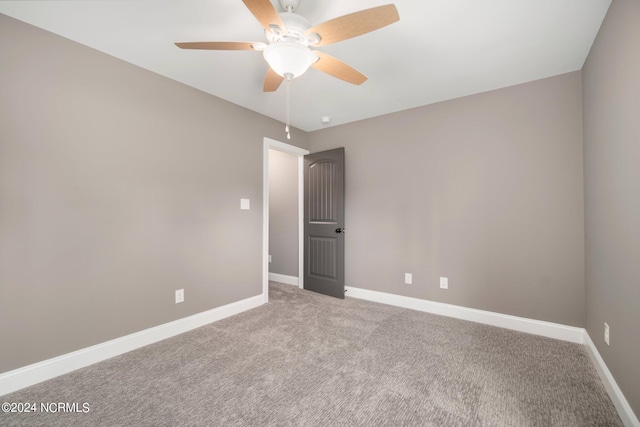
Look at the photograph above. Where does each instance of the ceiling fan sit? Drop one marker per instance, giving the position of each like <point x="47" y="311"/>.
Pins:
<point x="291" y="38"/>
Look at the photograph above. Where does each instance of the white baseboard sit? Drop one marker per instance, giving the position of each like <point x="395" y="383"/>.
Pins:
<point x="624" y="409"/>
<point x="32" y="374"/>
<point x="281" y="278"/>
<point x="537" y="327"/>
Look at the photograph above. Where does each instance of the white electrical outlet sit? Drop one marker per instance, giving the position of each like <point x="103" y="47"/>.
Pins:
<point x="444" y="283"/>
<point x="408" y="278"/>
<point x="606" y="333"/>
<point x="179" y="296"/>
<point x="269" y="258"/>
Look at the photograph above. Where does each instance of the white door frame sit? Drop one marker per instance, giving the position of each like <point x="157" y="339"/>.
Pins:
<point x="272" y="144"/>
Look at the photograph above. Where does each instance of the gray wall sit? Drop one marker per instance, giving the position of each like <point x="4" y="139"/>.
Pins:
<point x="612" y="199"/>
<point x="283" y="213"/>
<point x="117" y="187"/>
<point x="486" y="190"/>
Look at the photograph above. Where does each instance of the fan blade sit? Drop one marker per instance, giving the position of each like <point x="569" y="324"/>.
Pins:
<point x="272" y="81"/>
<point x="266" y="14"/>
<point x="336" y="68"/>
<point x="354" y="24"/>
<point x="216" y="45"/>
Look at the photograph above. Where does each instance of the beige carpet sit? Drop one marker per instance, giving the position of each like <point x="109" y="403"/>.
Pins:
<point x="306" y="359"/>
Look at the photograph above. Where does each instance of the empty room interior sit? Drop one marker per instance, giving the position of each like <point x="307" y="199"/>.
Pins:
<point x="152" y="213"/>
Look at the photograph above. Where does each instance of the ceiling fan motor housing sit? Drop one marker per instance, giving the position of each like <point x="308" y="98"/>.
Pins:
<point x="296" y="26"/>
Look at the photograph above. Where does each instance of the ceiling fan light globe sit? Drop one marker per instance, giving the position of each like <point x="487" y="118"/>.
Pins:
<point x="289" y="58"/>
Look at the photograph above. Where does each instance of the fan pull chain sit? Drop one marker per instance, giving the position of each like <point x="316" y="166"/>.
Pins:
<point x="288" y="104"/>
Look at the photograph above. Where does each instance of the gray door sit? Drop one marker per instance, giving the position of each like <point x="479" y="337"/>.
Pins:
<point x="324" y="222"/>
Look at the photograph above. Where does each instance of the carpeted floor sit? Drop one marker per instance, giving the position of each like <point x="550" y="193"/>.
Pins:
<point x="306" y="359"/>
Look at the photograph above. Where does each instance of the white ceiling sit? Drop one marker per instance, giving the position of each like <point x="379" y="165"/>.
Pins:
<point x="439" y="50"/>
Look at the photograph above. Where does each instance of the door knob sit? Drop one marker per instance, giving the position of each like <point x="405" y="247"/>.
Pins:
<point x="340" y="230"/>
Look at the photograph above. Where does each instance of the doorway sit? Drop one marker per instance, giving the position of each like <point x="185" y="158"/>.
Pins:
<point x="271" y="144"/>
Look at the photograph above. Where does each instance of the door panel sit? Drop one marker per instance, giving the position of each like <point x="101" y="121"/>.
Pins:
<point x="322" y="206"/>
<point x="322" y="252"/>
<point x="324" y="222"/>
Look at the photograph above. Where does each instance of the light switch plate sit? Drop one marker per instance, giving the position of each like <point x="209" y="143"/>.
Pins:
<point x="179" y="296"/>
<point x="245" y="204"/>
